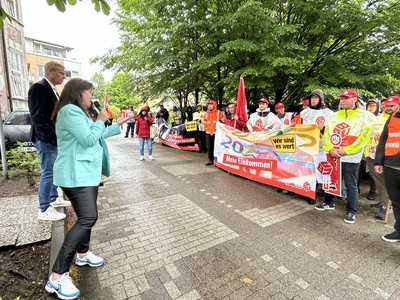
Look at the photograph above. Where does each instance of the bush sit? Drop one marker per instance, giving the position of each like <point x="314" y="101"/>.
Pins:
<point x="23" y="161"/>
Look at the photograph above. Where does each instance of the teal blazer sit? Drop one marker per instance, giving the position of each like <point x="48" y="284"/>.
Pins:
<point x="82" y="150"/>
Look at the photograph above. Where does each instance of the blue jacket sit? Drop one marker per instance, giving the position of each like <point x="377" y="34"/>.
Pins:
<point x="82" y="151"/>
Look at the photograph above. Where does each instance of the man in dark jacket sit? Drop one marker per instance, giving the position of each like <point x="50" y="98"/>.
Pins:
<point x="162" y="114"/>
<point x="387" y="161"/>
<point x="42" y="99"/>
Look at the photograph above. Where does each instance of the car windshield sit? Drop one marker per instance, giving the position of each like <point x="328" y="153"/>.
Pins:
<point x="18" y="118"/>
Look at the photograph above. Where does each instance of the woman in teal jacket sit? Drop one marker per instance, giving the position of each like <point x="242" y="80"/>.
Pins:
<point x="82" y="159"/>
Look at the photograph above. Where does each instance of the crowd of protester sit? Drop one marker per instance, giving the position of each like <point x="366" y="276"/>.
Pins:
<point x="69" y="132"/>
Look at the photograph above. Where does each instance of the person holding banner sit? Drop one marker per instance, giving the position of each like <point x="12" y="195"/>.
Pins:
<point x="232" y="120"/>
<point x="285" y="117"/>
<point x="387" y="161"/>
<point x="263" y="119"/>
<point x="211" y="118"/>
<point x="346" y="135"/>
<point x="316" y="113"/>
<point x="176" y="117"/>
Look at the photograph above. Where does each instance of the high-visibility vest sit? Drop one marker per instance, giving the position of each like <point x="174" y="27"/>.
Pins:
<point x="392" y="146"/>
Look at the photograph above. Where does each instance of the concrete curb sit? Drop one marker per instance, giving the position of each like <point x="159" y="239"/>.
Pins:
<point x="57" y="239"/>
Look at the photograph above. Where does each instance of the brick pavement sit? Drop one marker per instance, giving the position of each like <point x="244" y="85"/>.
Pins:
<point x="174" y="229"/>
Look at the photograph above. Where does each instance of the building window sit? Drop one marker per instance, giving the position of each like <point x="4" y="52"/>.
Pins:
<point x="47" y="51"/>
<point x="36" y="48"/>
<point x="12" y="8"/>
<point x="41" y="71"/>
<point x="16" y="68"/>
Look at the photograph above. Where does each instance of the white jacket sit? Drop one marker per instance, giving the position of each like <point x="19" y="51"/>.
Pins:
<point x="268" y="122"/>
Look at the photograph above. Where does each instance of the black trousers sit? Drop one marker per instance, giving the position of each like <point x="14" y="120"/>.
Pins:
<point x="210" y="145"/>
<point x="129" y="127"/>
<point x="379" y="181"/>
<point x="84" y="202"/>
<point x="202" y="141"/>
<point x="392" y="183"/>
<point x="364" y="174"/>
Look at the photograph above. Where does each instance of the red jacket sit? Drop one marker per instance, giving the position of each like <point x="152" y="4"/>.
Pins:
<point x="143" y="126"/>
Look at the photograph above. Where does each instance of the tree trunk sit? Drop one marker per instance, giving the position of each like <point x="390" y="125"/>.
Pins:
<point x="196" y="97"/>
<point x="220" y="88"/>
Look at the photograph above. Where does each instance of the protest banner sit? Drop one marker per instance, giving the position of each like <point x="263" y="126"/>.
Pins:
<point x="329" y="173"/>
<point x="178" y="137"/>
<point x="284" y="159"/>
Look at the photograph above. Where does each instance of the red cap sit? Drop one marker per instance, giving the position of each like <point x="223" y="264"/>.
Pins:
<point x="306" y="102"/>
<point x="349" y="94"/>
<point x="264" y="100"/>
<point x="279" y="105"/>
<point x="393" y="100"/>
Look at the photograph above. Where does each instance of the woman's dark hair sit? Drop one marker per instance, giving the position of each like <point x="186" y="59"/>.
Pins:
<point x="72" y="94"/>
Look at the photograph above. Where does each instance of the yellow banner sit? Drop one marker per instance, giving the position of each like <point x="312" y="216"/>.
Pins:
<point x="191" y="126"/>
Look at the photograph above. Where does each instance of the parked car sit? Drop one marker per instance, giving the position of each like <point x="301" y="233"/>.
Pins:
<point x="17" y="128"/>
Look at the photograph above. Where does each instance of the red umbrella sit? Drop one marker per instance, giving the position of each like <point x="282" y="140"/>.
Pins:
<point x="241" y="102"/>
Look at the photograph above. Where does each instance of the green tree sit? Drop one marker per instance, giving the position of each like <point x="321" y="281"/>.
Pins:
<point x="283" y="48"/>
<point x="100" y="85"/>
<point x="99" y="5"/>
<point x="121" y="91"/>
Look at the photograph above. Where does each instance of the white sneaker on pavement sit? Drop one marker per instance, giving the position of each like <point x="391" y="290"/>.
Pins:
<point x="141" y="157"/>
<point x="60" y="203"/>
<point x="64" y="287"/>
<point x="50" y="214"/>
<point x="89" y="259"/>
<point x="150" y="157"/>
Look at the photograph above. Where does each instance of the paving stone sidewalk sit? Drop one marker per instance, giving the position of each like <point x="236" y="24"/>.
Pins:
<point x="173" y="228"/>
<point x="18" y="222"/>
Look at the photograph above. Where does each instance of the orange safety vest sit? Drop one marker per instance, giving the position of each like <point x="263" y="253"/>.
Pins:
<point x="392" y="146"/>
<point x="210" y="120"/>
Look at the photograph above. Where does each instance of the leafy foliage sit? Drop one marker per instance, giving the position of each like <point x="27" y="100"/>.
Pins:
<point x="99" y="5"/>
<point x="23" y="162"/>
<point x="120" y="90"/>
<point x="283" y="48"/>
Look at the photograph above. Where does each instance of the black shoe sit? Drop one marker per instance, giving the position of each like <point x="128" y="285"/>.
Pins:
<point x="392" y="237"/>
<point x="371" y="196"/>
<point x="209" y="163"/>
<point x="324" y="206"/>
<point x="350" y="218"/>
<point x="126" y="136"/>
<point x="101" y="183"/>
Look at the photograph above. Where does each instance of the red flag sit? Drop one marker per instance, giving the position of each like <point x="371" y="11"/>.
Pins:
<point x="241" y="102"/>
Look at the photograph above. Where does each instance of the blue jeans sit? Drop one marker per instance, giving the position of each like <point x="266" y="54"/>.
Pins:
<point x="349" y="187"/>
<point x="47" y="190"/>
<point x="149" y="143"/>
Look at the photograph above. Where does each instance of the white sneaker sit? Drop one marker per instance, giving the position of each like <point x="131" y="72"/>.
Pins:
<point x="60" y="203"/>
<point x="64" y="288"/>
<point x="150" y="157"/>
<point x="89" y="259"/>
<point x="50" y="214"/>
<point x="141" y="157"/>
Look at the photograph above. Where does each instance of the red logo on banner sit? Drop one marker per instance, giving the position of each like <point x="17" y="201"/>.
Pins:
<point x="336" y="139"/>
<point x="325" y="168"/>
<point x="307" y="186"/>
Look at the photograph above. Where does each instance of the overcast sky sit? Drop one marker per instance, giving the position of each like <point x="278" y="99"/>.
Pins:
<point x="90" y="33"/>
